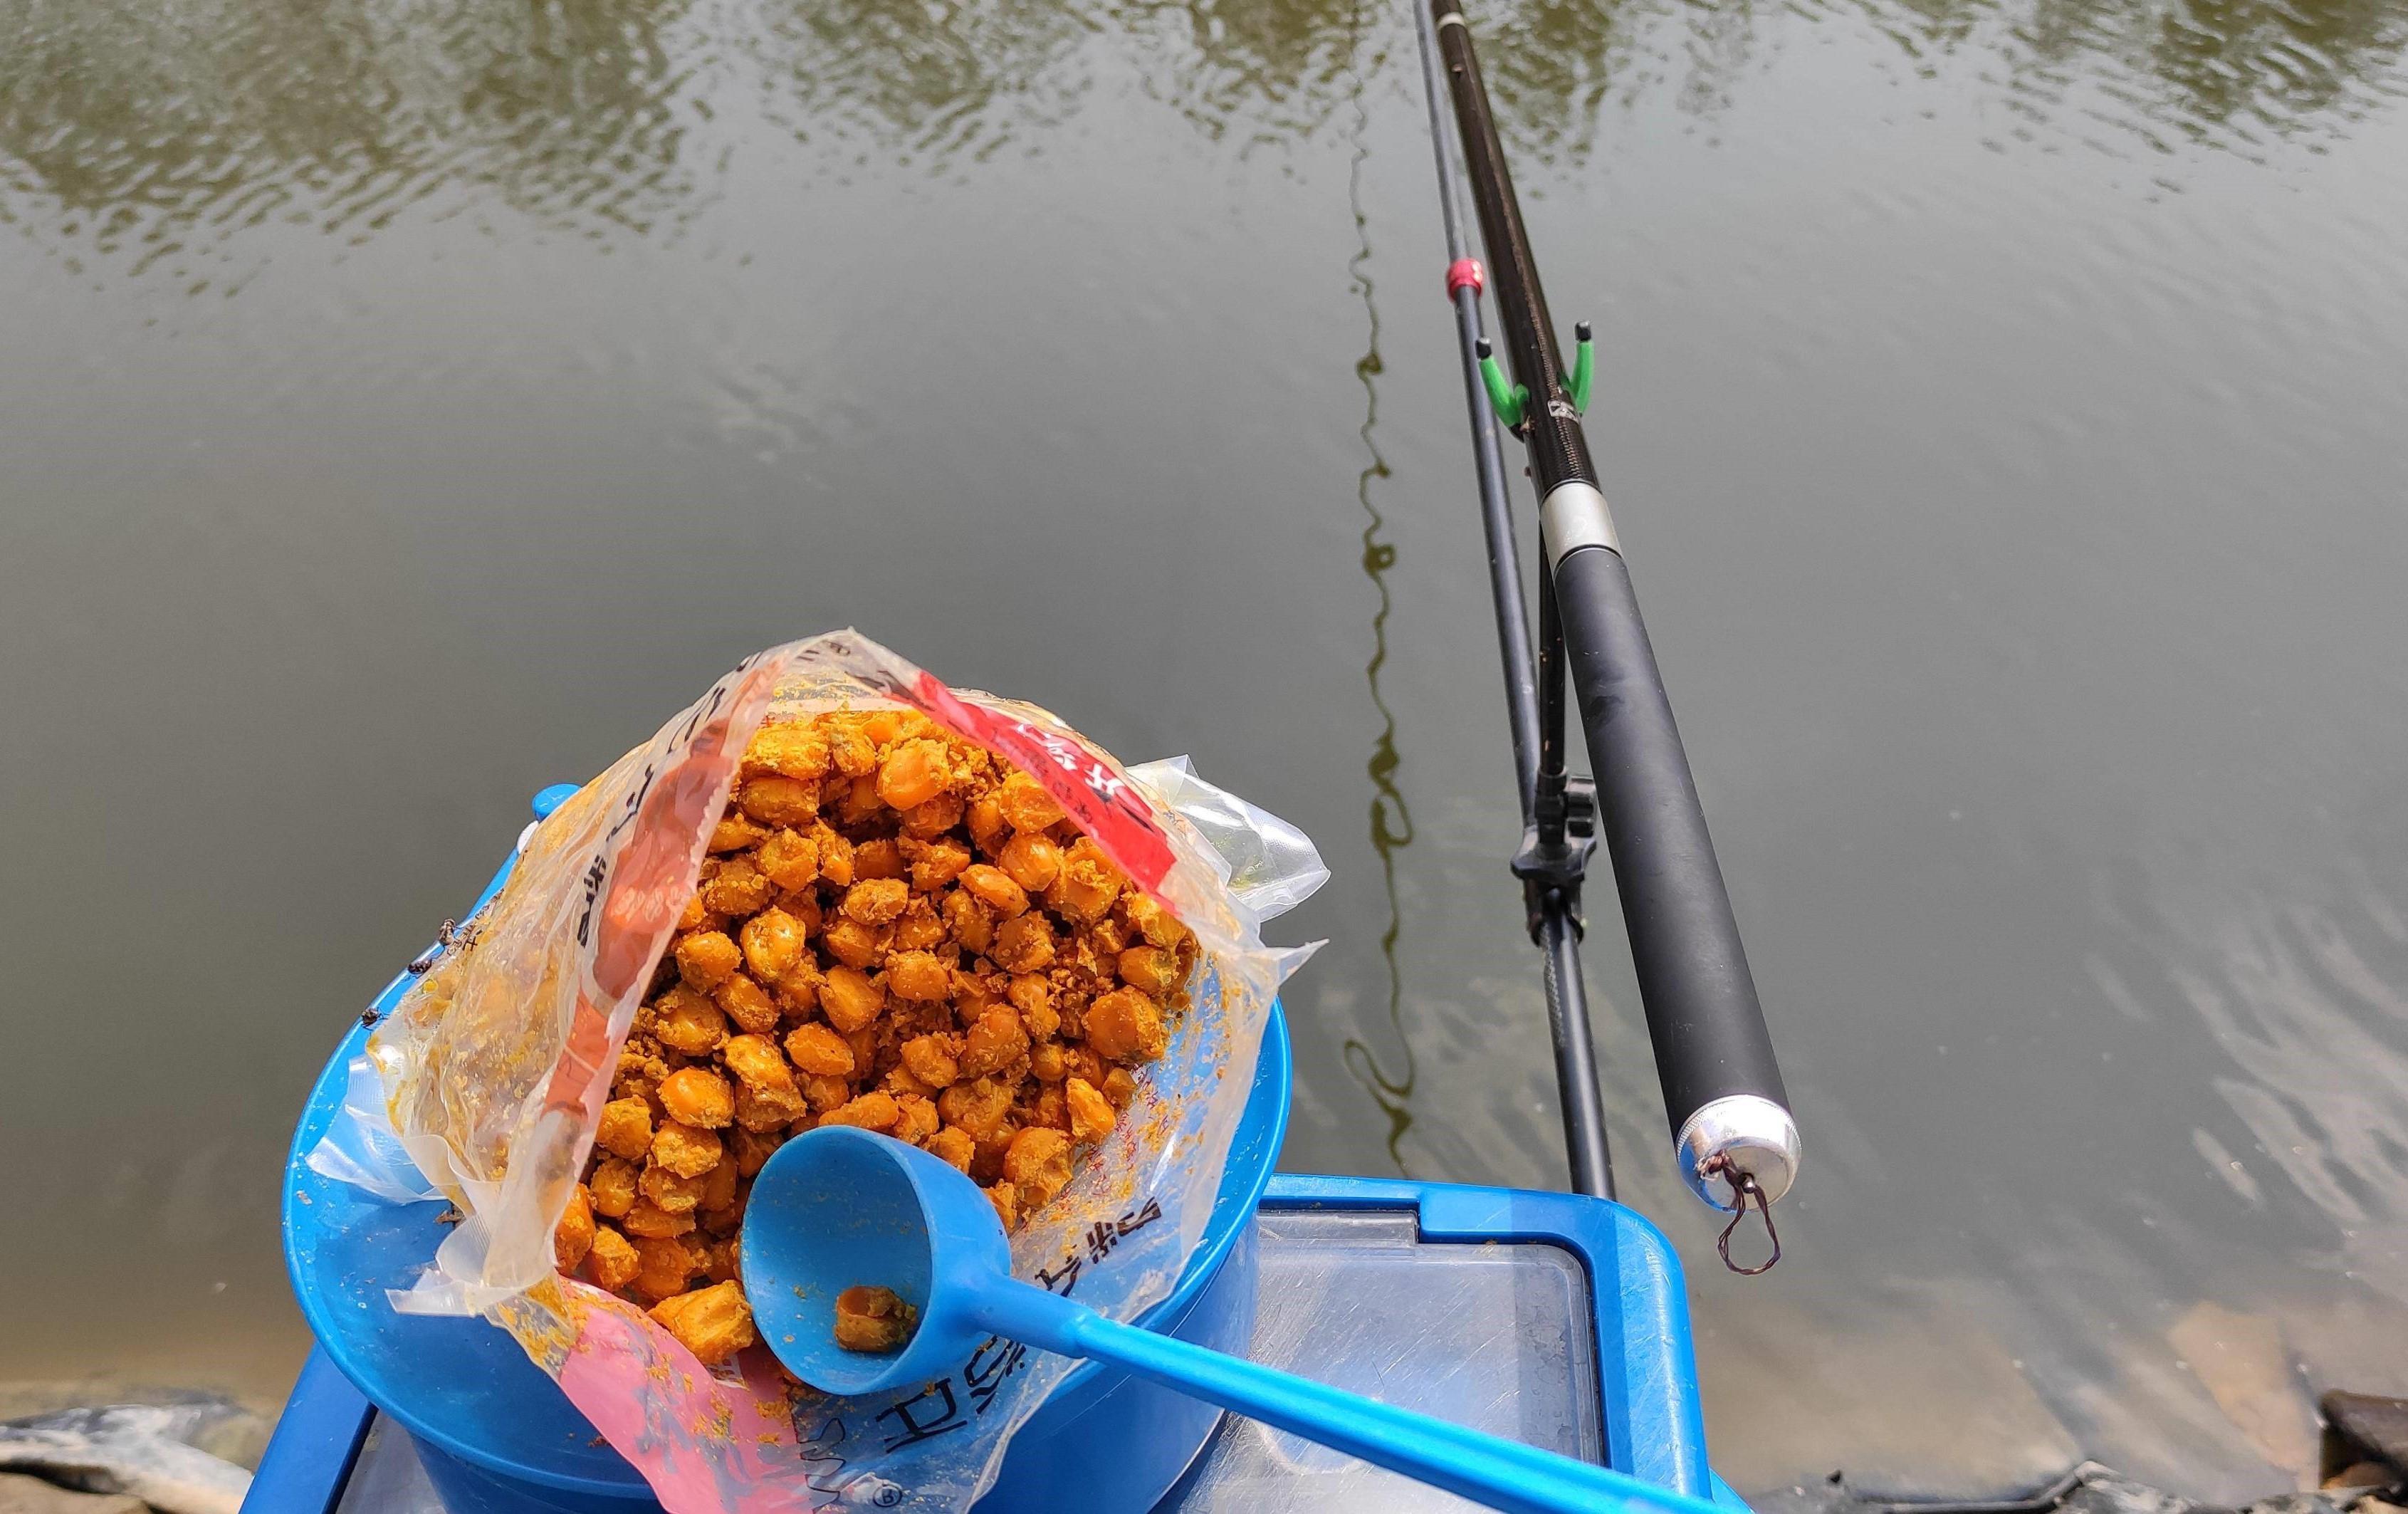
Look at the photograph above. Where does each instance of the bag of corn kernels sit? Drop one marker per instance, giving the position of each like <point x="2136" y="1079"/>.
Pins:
<point x="832" y="890"/>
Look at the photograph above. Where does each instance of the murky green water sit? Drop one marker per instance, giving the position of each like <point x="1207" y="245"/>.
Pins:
<point x="404" y="407"/>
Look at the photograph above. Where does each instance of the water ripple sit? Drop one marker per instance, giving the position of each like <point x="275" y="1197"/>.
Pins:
<point x="156" y="137"/>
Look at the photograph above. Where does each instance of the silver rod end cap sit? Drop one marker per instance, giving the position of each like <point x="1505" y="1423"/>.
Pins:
<point x="1747" y="1131"/>
<point x="1574" y="517"/>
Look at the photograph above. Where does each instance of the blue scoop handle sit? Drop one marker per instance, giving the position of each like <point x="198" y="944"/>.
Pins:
<point x="1503" y="1474"/>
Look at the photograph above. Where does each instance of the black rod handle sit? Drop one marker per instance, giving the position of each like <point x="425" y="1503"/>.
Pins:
<point x="1723" y="1093"/>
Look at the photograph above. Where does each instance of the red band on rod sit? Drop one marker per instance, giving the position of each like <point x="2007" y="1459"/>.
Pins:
<point x="1463" y="272"/>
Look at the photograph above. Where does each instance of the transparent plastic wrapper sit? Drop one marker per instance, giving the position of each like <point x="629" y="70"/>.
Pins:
<point x="362" y="1148"/>
<point x="495" y="1066"/>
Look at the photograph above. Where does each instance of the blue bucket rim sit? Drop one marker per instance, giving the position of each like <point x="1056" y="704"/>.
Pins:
<point x="1203" y="1263"/>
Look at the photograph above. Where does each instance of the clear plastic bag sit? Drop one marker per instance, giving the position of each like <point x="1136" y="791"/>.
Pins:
<point x="496" y="1067"/>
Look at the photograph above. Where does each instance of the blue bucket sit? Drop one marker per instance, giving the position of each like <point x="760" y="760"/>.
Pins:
<point x="498" y="1436"/>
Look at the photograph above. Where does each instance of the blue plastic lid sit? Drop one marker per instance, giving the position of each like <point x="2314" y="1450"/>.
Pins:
<point x="1530" y="1315"/>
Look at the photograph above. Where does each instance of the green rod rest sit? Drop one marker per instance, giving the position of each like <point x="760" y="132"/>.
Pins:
<point x="1584" y="368"/>
<point x="1510" y="399"/>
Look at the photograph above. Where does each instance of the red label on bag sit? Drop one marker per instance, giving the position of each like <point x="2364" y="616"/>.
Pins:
<point x="641" y="873"/>
<point x="1105" y="804"/>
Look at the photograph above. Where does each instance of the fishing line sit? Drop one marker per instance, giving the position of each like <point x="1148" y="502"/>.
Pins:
<point x="1744" y="1187"/>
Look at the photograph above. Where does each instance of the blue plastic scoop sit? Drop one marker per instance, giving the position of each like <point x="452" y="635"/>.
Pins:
<point x="838" y="1208"/>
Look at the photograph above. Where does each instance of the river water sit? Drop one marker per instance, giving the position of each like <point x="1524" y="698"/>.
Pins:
<point x="406" y="407"/>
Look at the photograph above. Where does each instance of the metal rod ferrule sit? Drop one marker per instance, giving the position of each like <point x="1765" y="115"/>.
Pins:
<point x="1574" y="517"/>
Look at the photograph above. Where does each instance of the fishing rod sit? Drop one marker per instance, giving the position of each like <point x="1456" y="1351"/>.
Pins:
<point x="1734" y="1138"/>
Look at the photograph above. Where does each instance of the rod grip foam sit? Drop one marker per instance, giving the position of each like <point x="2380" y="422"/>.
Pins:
<point x="1702" y="1014"/>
